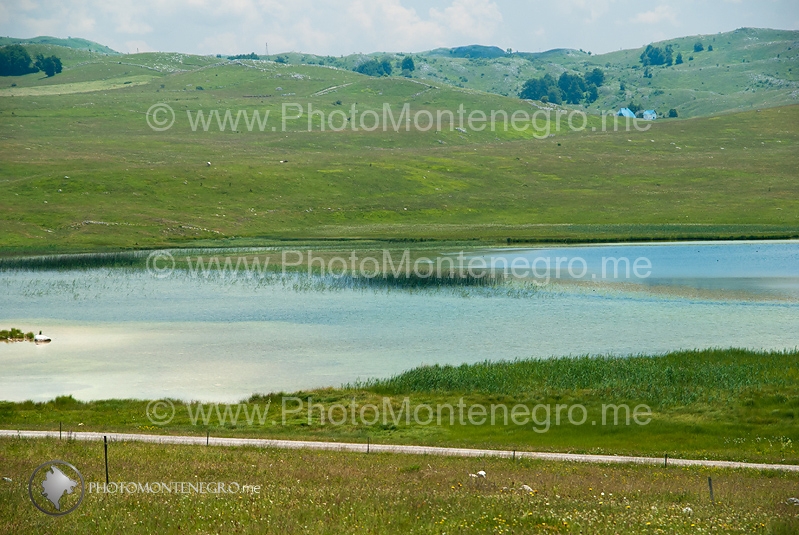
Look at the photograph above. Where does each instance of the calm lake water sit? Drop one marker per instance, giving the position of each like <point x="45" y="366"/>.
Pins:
<point x="120" y="333"/>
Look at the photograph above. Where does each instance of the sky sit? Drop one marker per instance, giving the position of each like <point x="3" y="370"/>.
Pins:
<point x="341" y="27"/>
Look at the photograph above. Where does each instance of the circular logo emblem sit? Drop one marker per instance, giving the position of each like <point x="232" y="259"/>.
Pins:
<point x="160" y="411"/>
<point x="160" y="264"/>
<point x="56" y="488"/>
<point x="160" y="117"/>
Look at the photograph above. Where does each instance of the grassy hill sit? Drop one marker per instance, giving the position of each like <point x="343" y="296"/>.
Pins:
<point x="82" y="170"/>
<point x="747" y="68"/>
<point x="70" y="42"/>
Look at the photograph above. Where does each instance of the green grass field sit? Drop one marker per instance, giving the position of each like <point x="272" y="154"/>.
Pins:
<point x="718" y="404"/>
<point x="330" y="492"/>
<point x="83" y="171"/>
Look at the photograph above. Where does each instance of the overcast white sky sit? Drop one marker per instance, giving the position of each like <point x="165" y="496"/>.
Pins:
<point x="348" y="26"/>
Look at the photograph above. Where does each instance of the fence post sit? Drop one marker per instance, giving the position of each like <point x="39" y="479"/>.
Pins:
<point x="105" y="447"/>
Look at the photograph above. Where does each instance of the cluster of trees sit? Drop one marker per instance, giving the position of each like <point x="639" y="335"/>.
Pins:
<point x="50" y="66"/>
<point x="699" y="47"/>
<point x="15" y="61"/>
<point x="382" y="67"/>
<point x="407" y="66"/>
<point x="654" y="55"/>
<point x="375" y="67"/>
<point x="251" y="55"/>
<point x="569" y="88"/>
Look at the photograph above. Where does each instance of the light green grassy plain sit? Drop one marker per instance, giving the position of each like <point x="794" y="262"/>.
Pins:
<point x="83" y="171"/>
<point x="331" y="492"/>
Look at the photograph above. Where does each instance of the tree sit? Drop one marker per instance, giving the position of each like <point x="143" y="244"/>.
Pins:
<point x="678" y="61"/>
<point x="375" y="67"/>
<point x="51" y="66"/>
<point x="633" y="107"/>
<point x="408" y="64"/>
<point x="698" y="47"/>
<point x="15" y="61"/>
<point x="672" y="113"/>
<point x="592" y="94"/>
<point x="710" y="48"/>
<point x="538" y="88"/>
<point x="596" y="77"/>
<point x="251" y="55"/>
<point x="654" y="55"/>
<point x="572" y="86"/>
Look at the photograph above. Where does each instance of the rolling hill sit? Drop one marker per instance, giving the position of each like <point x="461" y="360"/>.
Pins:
<point x="747" y="69"/>
<point x="82" y="170"/>
<point x="70" y="42"/>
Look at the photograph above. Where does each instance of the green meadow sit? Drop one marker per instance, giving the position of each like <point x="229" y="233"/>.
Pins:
<point x="82" y="171"/>
<point x="334" y="492"/>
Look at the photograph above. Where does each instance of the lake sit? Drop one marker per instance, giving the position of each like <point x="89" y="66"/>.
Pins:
<point x="125" y="333"/>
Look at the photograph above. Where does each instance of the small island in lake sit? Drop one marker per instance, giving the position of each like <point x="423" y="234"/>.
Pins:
<point x="16" y="335"/>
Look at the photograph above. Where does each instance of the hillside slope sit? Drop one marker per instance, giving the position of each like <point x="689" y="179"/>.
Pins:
<point x="70" y="42"/>
<point x="747" y="69"/>
<point x="81" y="168"/>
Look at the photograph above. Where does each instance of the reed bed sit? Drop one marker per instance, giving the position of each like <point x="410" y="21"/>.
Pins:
<point x="74" y="261"/>
<point x="678" y="378"/>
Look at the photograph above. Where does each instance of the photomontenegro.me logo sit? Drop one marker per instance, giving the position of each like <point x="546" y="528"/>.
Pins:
<point x="56" y="488"/>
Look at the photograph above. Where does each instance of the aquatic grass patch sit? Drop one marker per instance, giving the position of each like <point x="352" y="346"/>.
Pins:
<point x="679" y="378"/>
<point x="74" y="261"/>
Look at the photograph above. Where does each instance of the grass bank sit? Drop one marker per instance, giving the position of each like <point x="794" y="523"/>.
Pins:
<point x="719" y="404"/>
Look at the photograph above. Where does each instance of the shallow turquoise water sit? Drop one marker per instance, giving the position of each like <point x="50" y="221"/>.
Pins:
<point x="123" y="333"/>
